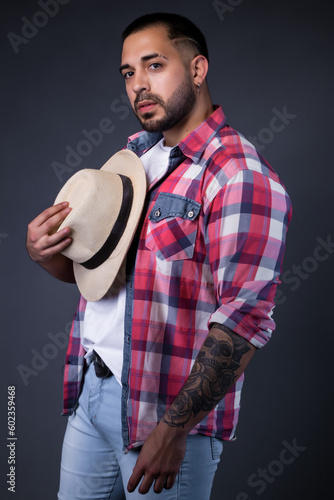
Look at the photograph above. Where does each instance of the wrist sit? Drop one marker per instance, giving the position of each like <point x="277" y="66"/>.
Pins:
<point x="171" y="431"/>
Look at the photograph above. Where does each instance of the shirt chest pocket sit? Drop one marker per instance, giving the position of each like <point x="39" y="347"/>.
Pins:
<point x="172" y="227"/>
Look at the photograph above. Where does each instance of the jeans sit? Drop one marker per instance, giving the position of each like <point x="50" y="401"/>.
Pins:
<point x="94" y="466"/>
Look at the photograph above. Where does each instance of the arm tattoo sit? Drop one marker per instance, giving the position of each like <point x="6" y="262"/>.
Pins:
<point x="213" y="373"/>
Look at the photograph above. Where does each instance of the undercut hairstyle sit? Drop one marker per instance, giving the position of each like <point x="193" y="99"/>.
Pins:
<point x="188" y="38"/>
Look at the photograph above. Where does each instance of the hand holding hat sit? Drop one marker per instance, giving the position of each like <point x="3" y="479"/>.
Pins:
<point x="106" y="208"/>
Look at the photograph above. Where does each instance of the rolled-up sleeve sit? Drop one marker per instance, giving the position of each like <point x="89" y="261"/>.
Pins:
<point x="245" y="234"/>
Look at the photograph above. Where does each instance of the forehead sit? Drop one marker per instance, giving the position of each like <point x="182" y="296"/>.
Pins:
<point x="148" y="41"/>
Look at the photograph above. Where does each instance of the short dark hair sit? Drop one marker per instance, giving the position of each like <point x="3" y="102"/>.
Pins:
<point x="178" y="28"/>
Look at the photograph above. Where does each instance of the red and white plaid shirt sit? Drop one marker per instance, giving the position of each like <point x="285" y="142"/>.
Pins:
<point x="210" y="249"/>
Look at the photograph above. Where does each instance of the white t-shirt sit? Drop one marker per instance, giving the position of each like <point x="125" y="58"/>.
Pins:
<point x="103" y="328"/>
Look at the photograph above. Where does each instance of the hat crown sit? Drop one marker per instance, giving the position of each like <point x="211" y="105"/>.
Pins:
<point x="95" y="197"/>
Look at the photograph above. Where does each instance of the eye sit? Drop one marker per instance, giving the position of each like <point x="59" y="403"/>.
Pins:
<point x="155" y="65"/>
<point x="127" y="75"/>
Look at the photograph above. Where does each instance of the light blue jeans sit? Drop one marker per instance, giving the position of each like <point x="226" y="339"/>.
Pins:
<point x="94" y="466"/>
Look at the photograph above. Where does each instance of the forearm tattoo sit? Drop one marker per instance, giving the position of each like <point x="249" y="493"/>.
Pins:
<point x="214" y="372"/>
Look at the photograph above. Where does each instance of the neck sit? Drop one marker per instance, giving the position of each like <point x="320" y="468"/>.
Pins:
<point x="203" y="109"/>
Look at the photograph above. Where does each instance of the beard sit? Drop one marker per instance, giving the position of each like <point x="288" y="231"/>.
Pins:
<point x="178" y="106"/>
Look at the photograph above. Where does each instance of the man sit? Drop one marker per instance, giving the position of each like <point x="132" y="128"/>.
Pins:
<point x="200" y="283"/>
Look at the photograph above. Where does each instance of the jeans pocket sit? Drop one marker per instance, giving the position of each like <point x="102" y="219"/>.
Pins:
<point x="216" y="448"/>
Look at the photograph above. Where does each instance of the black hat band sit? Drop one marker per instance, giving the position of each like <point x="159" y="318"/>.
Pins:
<point x="117" y="230"/>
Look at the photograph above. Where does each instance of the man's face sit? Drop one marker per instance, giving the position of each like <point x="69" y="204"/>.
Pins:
<point x="160" y="88"/>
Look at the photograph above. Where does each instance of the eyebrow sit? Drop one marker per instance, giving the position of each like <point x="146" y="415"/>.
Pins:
<point x="143" y="58"/>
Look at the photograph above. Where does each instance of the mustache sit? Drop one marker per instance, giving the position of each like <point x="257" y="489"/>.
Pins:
<point x="148" y="97"/>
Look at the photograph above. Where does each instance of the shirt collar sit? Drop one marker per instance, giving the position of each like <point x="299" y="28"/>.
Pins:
<point x="192" y="146"/>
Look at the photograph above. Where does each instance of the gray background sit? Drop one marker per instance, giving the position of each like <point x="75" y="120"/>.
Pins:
<point x="264" y="55"/>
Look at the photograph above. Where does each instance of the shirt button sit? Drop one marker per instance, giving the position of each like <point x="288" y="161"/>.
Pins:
<point x="190" y="214"/>
<point x="157" y="213"/>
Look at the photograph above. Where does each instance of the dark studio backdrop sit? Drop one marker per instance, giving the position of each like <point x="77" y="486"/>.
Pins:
<point x="272" y="71"/>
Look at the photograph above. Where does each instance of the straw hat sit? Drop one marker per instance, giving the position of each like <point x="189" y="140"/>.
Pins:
<point x="106" y="207"/>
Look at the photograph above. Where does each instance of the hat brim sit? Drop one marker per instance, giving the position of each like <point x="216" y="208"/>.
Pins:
<point x="95" y="283"/>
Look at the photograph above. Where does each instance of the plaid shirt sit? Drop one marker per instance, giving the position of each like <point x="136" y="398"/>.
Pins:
<point x="210" y="249"/>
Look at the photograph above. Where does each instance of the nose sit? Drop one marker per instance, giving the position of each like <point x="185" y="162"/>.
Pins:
<point x="140" y="82"/>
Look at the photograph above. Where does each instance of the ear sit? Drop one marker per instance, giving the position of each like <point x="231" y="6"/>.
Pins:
<point x="199" y="69"/>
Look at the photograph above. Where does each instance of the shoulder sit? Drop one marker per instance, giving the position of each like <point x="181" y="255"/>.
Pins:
<point x="231" y="159"/>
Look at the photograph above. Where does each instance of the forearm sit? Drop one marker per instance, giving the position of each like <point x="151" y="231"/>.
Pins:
<point x="60" y="267"/>
<point x="220" y="362"/>
<point x="222" y="359"/>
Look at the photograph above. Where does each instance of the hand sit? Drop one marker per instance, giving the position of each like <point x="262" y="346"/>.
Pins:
<point x="43" y="242"/>
<point x="160" y="459"/>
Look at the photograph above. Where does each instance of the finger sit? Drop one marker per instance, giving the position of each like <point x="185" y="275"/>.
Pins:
<point x="51" y="225"/>
<point x="134" y="480"/>
<point x="160" y="483"/>
<point x="54" y="238"/>
<point x="46" y="254"/>
<point x="46" y="223"/>
<point x="39" y="235"/>
<point x="49" y="212"/>
<point x="170" y="482"/>
<point x="146" y="483"/>
<point x="51" y="251"/>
